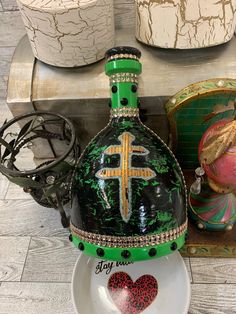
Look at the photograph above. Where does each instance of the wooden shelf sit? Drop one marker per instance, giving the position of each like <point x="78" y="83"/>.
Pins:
<point x="201" y="243"/>
<point x="165" y="72"/>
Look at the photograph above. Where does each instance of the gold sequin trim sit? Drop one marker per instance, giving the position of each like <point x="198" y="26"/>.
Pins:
<point x="124" y="112"/>
<point x="137" y="241"/>
<point x="123" y="56"/>
<point x="124" y="78"/>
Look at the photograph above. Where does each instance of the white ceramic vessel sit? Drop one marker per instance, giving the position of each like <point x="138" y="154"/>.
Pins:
<point x="157" y="286"/>
<point x="68" y="33"/>
<point x="185" y="24"/>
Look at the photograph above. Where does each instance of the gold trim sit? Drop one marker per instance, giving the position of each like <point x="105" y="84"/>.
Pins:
<point x="125" y="171"/>
<point x="123" y="56"/>
<point x="218" y="188"/>
<point x="124" y="112"/>
<point x="194" y="91"/>
<point x="131" y="241"/>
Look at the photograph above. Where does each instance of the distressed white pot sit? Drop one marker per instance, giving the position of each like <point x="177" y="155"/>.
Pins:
<point x="185" y="24"/>
<point x="68" y="33"/>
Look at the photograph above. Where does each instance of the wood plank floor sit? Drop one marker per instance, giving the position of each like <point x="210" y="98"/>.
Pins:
<point x="36" y="259"/>
<point x="31" y="298"/>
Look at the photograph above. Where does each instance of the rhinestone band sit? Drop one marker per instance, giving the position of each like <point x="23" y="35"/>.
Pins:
<point x="124" y="77"/>
<point x="136" y="241"/>
<point x="124" y="112"/>
<point x="123" y="56"/>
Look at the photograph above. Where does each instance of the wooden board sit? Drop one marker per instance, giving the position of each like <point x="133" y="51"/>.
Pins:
<point x="24" y="217"/>
<point x="213" y="270"/>
<point x="50" y="260"/>
<point x="210" y="299"/>
<point x="32" y="298"/>
<point x="13" y="251"/>
<point x="209" y="243"/>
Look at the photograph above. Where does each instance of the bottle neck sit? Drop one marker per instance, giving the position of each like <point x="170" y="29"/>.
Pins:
<point x="124" y="94"/>
<point x="124" y="100"/>
<point x="123" y="74"/>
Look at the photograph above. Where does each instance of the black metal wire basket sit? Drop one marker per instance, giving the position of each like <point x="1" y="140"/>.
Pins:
<point x="49" y="141"/>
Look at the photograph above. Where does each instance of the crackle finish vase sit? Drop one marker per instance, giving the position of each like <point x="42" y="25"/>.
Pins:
<point x="129" y="194"/>
<point x="185" y="24"/>
<point x="68" y="33"/>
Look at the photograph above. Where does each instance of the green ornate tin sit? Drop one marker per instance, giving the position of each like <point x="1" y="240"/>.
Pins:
<point x="192" y="110"/>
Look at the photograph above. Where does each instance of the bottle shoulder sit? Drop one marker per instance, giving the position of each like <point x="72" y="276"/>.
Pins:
<point x="125" y="168"/>
<point x="110" y="135"/>
<point x="143" y="146"/>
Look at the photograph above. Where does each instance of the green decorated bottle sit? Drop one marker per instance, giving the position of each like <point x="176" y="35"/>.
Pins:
<point x="129" y="193"/>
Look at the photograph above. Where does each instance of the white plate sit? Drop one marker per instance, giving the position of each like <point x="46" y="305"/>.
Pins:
<point x="169" y="286"/>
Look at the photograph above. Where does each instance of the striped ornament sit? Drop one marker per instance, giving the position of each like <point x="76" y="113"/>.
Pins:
<point x="213" y="210"/>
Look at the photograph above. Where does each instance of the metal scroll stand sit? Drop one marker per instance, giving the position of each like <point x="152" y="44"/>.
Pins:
<point x="50" y="183"/>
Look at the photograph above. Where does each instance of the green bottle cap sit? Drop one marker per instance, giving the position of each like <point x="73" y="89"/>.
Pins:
<point x="123" y="60"/>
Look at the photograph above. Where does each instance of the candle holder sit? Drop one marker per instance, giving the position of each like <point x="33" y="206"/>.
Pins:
<point x="50" y="181"/>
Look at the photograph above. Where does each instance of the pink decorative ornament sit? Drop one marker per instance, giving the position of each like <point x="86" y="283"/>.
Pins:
<point x="223" y="170"/>
<point x="213" y="206"/>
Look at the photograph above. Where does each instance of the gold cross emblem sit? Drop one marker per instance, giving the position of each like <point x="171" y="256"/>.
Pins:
<point x="126" y="172"/>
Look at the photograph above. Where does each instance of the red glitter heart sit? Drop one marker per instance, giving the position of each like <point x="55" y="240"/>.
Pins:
<point x="132" y="297"/>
